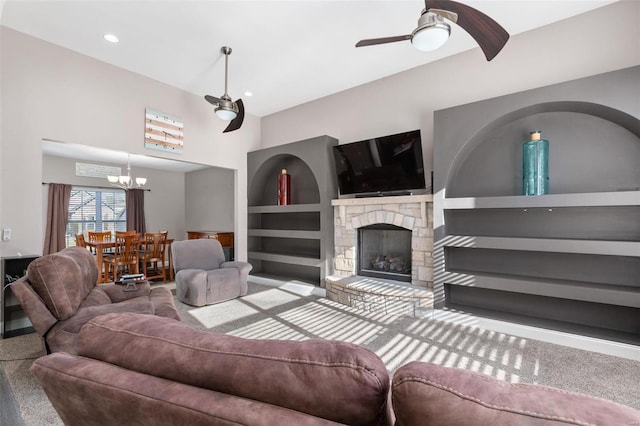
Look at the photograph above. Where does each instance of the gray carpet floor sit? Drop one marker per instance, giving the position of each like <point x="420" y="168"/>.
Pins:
<point x="292" y="312"/>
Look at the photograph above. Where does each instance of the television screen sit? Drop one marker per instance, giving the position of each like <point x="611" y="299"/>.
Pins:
<point x="380" y="166"/>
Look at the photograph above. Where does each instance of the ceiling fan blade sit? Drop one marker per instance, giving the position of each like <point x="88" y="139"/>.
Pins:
<point x="489" y="35"/>
<point x="212" y="100"/>
<point x="374" y="41"/>
<point x="236" y="122"/>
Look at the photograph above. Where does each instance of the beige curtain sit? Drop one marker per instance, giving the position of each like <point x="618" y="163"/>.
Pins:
<point x="57" y="216"/>
<point x="135" y="210"/>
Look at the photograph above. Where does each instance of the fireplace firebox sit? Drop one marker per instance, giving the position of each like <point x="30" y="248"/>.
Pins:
<point x="384" y="251"/>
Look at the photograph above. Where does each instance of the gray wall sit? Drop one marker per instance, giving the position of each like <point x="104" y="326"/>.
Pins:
<point x="562" y="51"/>
<point x="52" y="93"/>
<point x="209" y="200"/>
<point x="49" y="92"/>
<point x="164" y="205"/>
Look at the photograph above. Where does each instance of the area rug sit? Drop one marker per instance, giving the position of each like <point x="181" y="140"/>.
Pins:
<point x="293" y="312"/>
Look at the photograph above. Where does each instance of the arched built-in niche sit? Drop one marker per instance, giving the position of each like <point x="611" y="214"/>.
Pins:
<point x="593" y="148"/>
<point x="292" y="241"/>
<point x="264" y="185"/>
<point x="568" y="260"/>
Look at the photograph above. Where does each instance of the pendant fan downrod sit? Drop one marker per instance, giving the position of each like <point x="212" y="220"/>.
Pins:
<point x="226" y="109"/>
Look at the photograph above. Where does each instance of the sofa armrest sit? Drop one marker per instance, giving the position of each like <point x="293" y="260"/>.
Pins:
<point x="425" y="393"/>
<point x="244" y="268"/>
<point x="115" y="293"/>
<point x="84" y="315"/>
<point x="38" y="313"/>
<point x="63" y="337"/>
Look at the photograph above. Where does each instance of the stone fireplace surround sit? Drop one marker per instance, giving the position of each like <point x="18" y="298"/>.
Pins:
<point x="412" y="212"/>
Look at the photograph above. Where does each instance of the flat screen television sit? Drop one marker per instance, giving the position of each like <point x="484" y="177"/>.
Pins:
<point x="387" y="165"/>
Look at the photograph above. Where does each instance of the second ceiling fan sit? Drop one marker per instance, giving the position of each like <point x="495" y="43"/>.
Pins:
<point x="432" y="31"/>
<point x="226" y="108"/>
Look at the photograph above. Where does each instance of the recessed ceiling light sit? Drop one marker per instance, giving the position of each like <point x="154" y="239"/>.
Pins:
<point x="248" y="93"/>
<point x="111" y="38"/>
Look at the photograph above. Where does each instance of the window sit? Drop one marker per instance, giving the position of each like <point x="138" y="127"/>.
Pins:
<point x="92" y="209"/>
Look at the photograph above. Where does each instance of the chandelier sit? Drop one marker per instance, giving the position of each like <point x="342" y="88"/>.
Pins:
<point x="126" y="182"/>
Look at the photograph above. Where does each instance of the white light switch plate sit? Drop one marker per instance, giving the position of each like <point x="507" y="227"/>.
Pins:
<point x="6" y="234"/>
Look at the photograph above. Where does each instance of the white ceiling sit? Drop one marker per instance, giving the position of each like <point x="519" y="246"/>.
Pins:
<point x="285" y="52"/>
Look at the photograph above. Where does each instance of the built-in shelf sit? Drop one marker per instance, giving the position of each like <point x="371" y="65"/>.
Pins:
<point x="285" y="258"/>
<point x="291" y="208"/>
<point x="13" y="308"/>
<point x="294" y="241"/>
<point x="284" y="233"/>
<point x="588" y="292"/>
<point x="13" y="320"/>
<point x="491" y="319"/>
<point x="593" y="199"/>
<point x="609" y="248"/>
<point x="570" y="257"/>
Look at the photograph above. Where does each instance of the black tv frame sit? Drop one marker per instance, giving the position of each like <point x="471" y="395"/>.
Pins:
<point x="362" y="159"/>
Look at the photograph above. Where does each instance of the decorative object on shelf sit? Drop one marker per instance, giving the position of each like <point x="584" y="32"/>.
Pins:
<point x="535" y="165"/>
<point x="163" y="132"/>
<point x="284" y="188"/>
<point x="126" y="182"/>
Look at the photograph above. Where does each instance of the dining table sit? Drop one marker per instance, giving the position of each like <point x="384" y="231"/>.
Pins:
<point x="101" y="246"/>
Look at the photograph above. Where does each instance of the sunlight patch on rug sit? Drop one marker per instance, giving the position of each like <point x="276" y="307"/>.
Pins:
<point x="302" y="289"/>
<point x="268" y="329"/>
<point x="327" y="323"/>
<point x="270" y="298"/>
<point x="214" y="315"/>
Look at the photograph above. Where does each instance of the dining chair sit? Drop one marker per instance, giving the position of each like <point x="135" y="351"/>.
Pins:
<point x="125" y="255"/>
<point x="95" y="236"/>
<point x="130" y="232"/>
<point x="80" y="241"/>
<point x="152" y="256"/>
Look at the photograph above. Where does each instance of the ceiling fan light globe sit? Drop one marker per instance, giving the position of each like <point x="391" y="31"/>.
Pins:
<point x="431" y="37"/>
<point x="225" y="114"/>
<point x="140" y="181"/>
<point x="112" y="179"/>
<point x="124" y="180"/>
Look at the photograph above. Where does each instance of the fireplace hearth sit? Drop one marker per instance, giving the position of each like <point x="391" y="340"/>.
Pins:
<point x="391" y="272"/>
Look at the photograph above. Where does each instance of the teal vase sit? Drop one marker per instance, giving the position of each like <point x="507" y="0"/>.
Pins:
<point x="535" y="165"/>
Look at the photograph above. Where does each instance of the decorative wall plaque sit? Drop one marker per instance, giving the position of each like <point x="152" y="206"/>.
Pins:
<point x="163" y="132"/>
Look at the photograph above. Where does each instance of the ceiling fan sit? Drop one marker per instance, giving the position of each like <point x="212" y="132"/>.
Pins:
<point x="432" y="31"/>
<point x="226" y="109"/>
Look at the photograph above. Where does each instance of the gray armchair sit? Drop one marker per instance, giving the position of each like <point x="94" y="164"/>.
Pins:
<point x="202" y="275"/>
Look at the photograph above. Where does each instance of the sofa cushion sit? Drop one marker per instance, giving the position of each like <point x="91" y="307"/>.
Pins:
<point x="63" y="279"/>
<point x="63" y="337"/>
<point x="96" y="297"/>
<point x="425" y="393"/>
<point x="333" y="380"/>
<point x="125" y="397"/>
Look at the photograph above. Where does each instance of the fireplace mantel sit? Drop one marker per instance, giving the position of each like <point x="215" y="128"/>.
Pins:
<point x="424" y="198"/>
